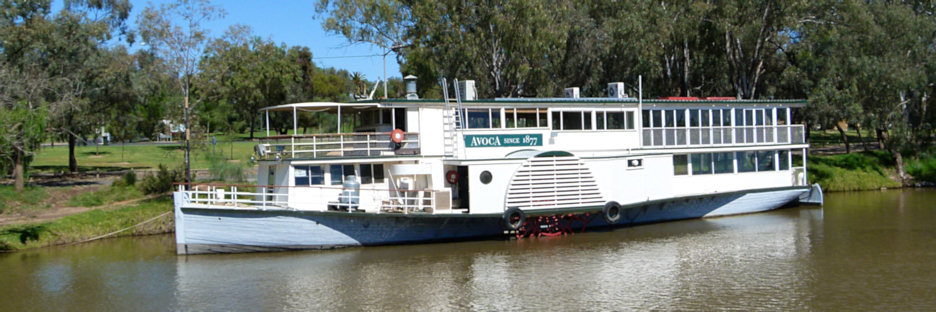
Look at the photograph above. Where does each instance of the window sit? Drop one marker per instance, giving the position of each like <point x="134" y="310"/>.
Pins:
<point x="726" y="114"/>
<point x="705" y="118"/>
<point x="616" y="120"/>
<point x="522" y="117"/>
<point x="556" y="121"/>
<point x="587" y="119"/>
<point x="629" y="125"/>
<point x="308" y="175"/>
<point x="572" y="121"/>
<point x="693" y="117"/>
<point x="723" y="162"/>
<point x="600" y="120"/>
<point x="782" y="116"/>
<point x="746" y="161"/>
<point x="480" y="118"/>
<point x="681" y="118"/>
<point x="765" y="161"/>
<point x="657" y="119"/>
<point x="372" y="173"/>
<point x="680" y="164"/>
<point x="701" y="163"/>
<point x="784" y="160"/>
<point x="340" y="172"/>
<point x="645" y="117"/>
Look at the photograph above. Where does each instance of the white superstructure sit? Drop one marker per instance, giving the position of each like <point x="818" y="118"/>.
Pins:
<point x="540" y="156"/>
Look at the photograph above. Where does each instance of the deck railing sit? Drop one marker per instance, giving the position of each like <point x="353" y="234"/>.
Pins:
<point x="336" y="145"/>
<point x="317" y="198"/>
<point x="718" y="136"/>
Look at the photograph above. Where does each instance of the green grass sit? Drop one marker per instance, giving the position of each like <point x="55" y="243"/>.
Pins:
<point x="922" y="167"/>
<point x="107" y="195"/>
<point x="852" y="172"/>
<point x="829" y="137"/>
<point x="149" y="156"/>
<point x="30" y="196"/>
<point x="82" y="226"/>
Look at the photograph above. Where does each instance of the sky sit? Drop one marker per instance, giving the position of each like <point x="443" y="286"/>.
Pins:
<point x="293" y="23"/>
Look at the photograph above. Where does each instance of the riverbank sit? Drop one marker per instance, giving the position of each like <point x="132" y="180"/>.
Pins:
<point x="92" y="224"/>
<point x="872" y="170"/>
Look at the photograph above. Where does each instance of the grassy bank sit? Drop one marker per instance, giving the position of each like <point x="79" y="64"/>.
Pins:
<point x="90" y="224"/>
<point x="10" y="199"/>
<point x="146" y="156"/>
<point x="852" y="172"/>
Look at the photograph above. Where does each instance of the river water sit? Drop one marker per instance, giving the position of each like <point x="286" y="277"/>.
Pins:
<point x="862" y="251"/>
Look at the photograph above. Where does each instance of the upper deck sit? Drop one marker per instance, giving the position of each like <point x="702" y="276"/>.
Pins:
<point x="484" y="129"/>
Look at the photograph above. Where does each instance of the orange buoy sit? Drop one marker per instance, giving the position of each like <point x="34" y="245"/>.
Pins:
<point x="397" y="136"/>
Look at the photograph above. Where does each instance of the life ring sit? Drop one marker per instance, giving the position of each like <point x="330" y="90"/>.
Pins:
<point x="451" y="176"/>
<point x="611" y="212"/>
<point x="397" y="136"/>
<point x="513" y="219"/>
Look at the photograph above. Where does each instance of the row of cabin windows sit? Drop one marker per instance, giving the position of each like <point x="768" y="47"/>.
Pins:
<point x="718" y="163"/>
<point x="488" y="118"/>
<point x="315" y="175"/>
<point x="679" y="118"/>
<point x="582" y="120"/>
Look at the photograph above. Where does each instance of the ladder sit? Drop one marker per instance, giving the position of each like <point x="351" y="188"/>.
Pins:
<point x="452" y="118"/>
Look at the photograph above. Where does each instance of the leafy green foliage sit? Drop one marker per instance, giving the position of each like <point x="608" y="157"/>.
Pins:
<point x="162" y="181"/>
<point x="223" y="169"/>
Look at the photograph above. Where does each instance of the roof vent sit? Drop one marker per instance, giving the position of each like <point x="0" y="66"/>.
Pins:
<point x="616" y="90"/>
<point x="410" y="87"/>
<point x="467" y="90"/>
<point x="572" y="93"/>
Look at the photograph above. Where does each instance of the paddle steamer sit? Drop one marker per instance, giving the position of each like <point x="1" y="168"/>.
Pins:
<point x="420" y="170"/>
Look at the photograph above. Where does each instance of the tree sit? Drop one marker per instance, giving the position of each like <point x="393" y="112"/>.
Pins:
<point x="75" y="61"/>
<point x="180" y="45"/>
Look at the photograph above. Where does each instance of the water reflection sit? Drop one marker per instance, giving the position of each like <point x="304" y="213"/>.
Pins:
<point x="869" y="250"/>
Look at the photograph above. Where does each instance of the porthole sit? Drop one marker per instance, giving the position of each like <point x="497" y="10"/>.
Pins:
<point x="486" y="177"/>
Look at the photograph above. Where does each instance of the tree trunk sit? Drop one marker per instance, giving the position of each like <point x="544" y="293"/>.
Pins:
<point x="72" y="161"/>
<point x="880" y="137"/>
<point x="863" y="143"/>
<point x="251" y="129"/>
<point x="19" y="180"/>
<point x="900" y="167"/>
<point x="844" y="138"/>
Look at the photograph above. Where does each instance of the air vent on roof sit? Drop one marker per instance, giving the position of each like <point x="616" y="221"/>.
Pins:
<point x="467" y="90"/>
<point x="616" y="90"/>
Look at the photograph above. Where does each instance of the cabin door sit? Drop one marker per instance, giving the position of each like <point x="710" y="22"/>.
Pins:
<point x="462" y="187"/>
<point x="399" y="119"/>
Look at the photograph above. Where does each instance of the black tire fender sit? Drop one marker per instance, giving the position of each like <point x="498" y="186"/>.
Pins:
<point x="513" y="218"/>
<point x="612" y="212"/>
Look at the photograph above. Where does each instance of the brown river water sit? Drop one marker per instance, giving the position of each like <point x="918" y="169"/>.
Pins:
<point x="861" y="251"/>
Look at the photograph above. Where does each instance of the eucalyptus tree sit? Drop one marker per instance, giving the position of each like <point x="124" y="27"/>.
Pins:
<point x="24" y="83"/>
<point x="180" y="45"/>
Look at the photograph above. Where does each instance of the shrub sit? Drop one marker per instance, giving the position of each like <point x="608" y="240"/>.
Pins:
<point x="161" y="182"/>
<point x="128" y="179"/>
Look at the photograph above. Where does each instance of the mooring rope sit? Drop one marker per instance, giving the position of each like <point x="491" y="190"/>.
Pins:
<point x="124" y="229"/>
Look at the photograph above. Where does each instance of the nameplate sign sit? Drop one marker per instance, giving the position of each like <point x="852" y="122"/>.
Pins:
<point x="503" y="140"/>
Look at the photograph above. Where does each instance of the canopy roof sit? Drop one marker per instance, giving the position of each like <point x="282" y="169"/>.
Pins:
<point x="317" y="107"/>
